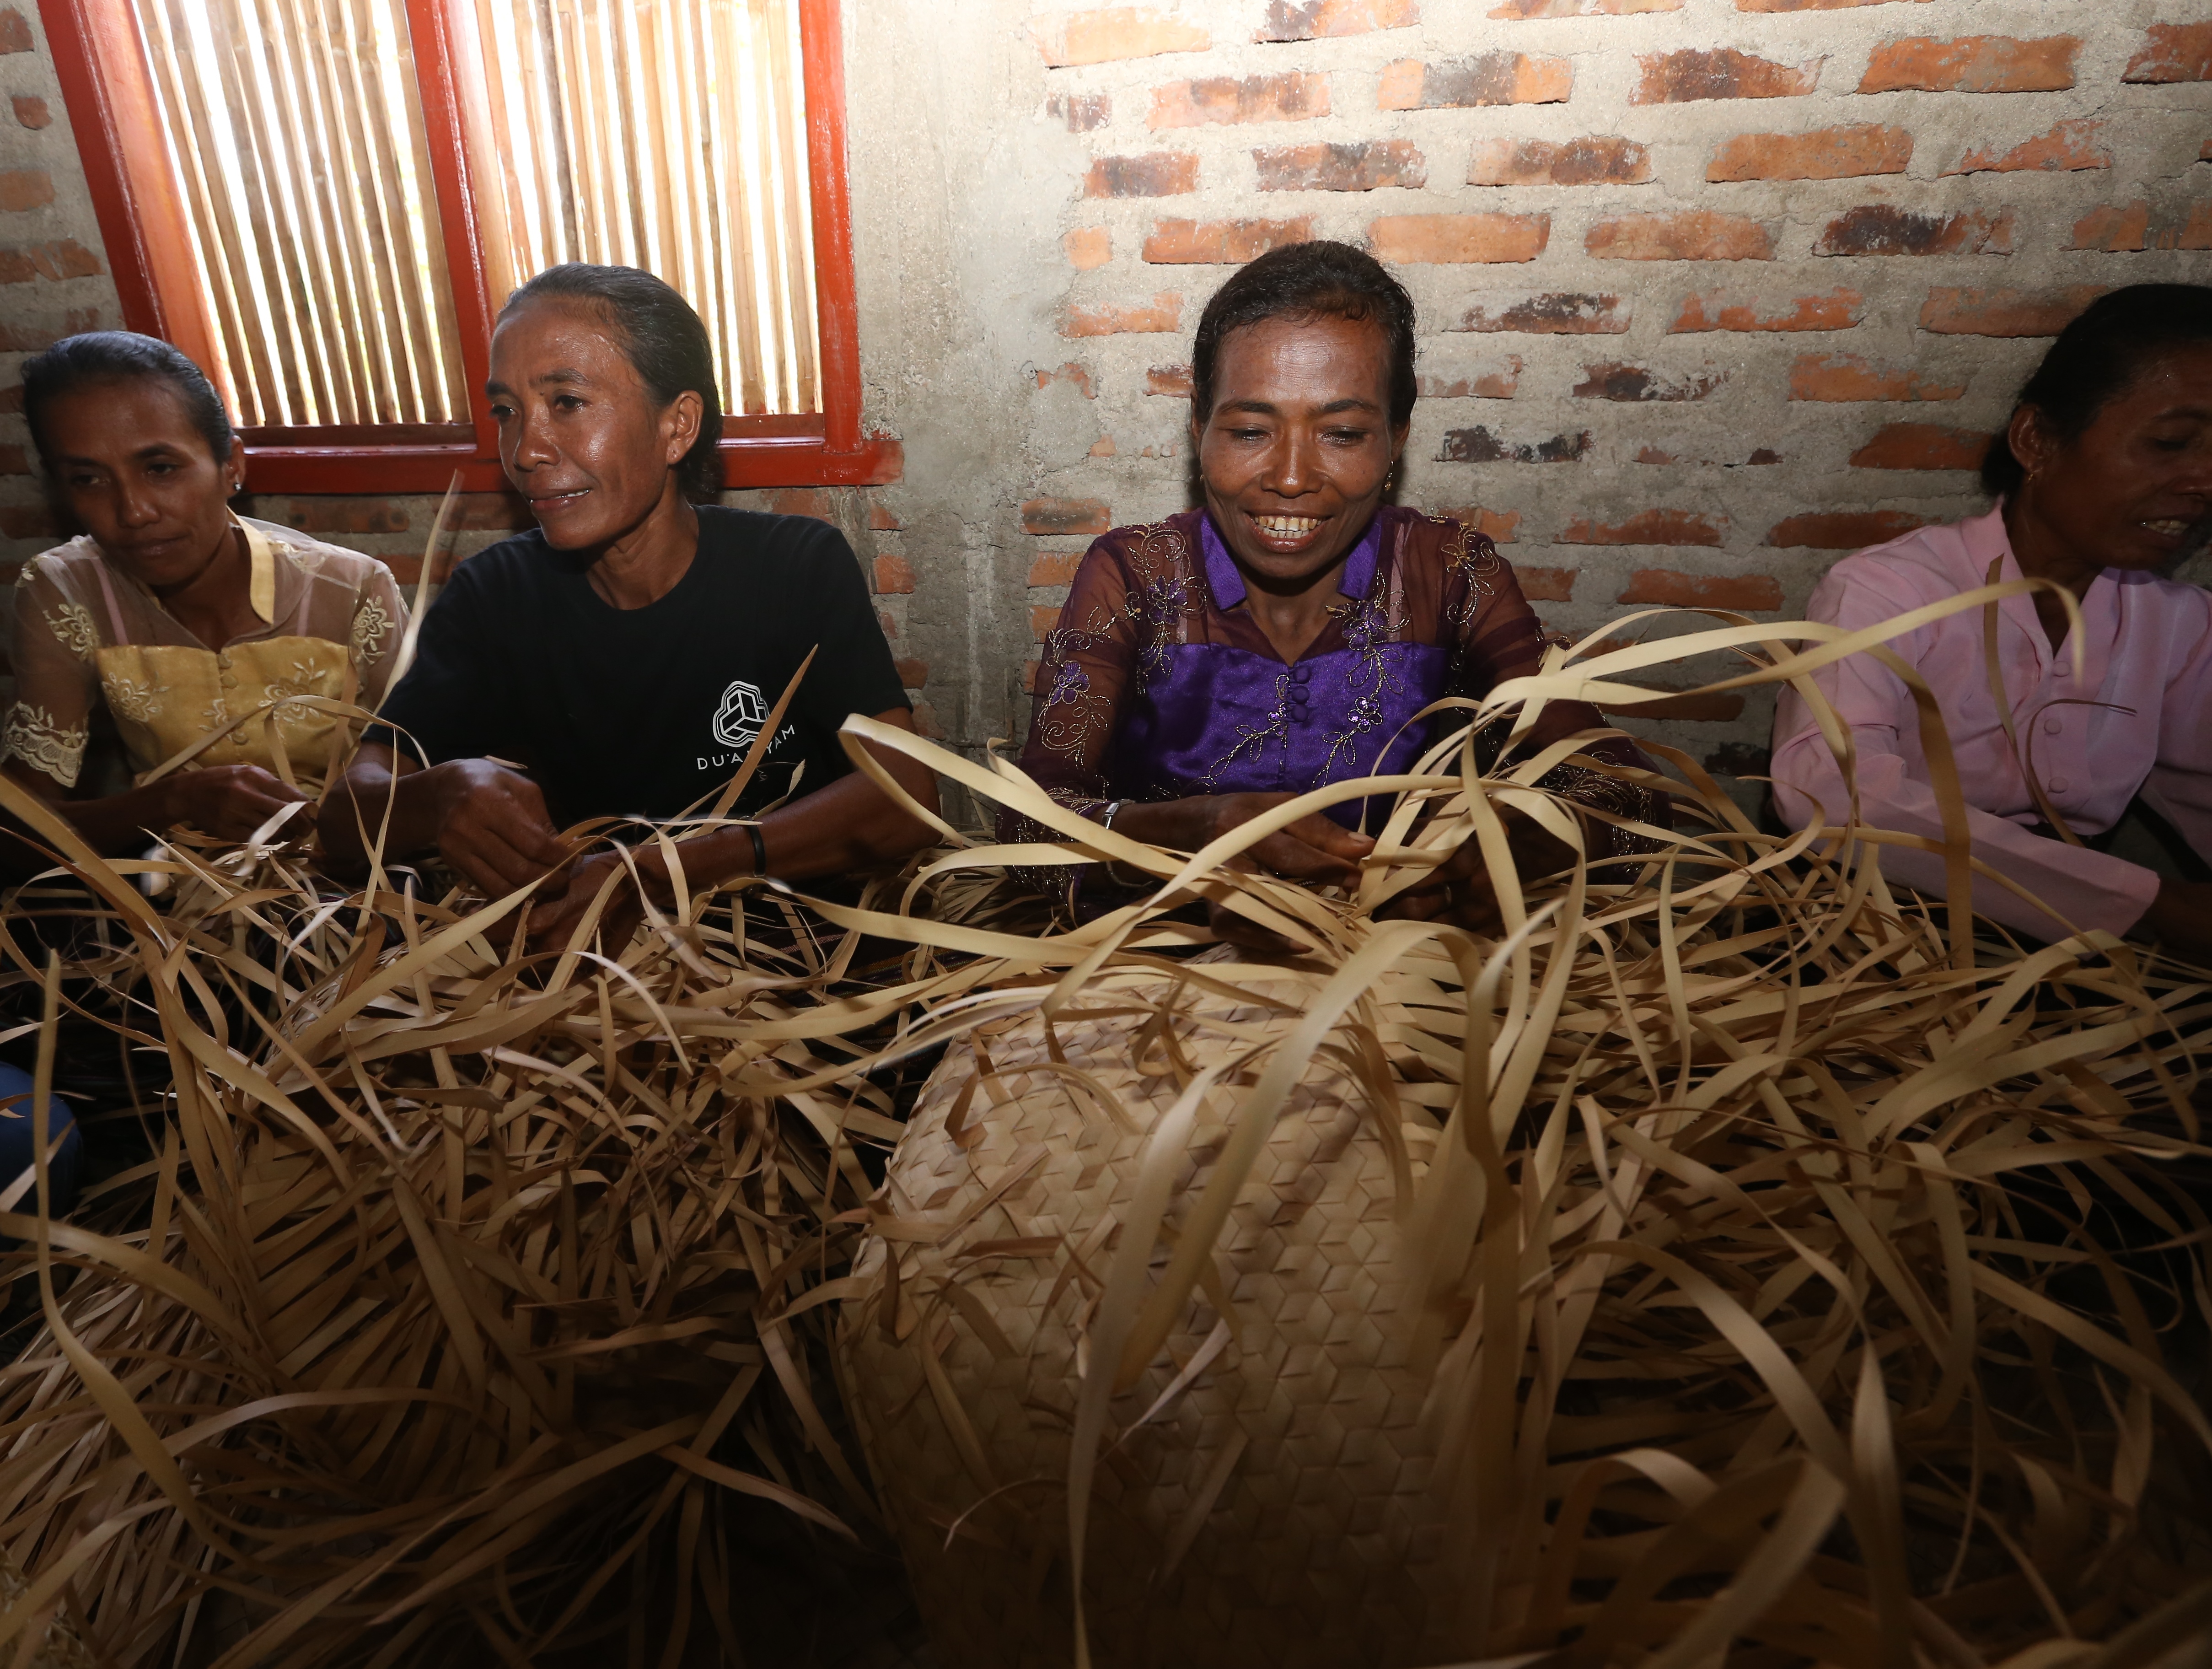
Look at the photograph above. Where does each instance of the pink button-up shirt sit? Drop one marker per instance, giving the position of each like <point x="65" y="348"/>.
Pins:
<point x="2146" y="648"/>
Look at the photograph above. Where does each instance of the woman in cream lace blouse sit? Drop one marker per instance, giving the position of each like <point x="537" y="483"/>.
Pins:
<point x="176" y="616"/>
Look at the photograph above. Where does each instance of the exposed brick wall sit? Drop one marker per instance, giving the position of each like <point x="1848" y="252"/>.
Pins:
<point x="1713" y="291"/>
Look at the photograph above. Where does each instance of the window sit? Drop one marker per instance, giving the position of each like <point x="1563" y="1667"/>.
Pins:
<point x="325" y="201"/>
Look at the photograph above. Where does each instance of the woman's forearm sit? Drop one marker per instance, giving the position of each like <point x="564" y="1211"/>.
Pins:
<point x="407" y="806"/>
<point x="120" y="823"/>
<point x="849" y="824"/>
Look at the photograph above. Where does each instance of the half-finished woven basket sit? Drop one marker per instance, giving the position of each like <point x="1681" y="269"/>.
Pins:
<point x="1278" y="1511"/>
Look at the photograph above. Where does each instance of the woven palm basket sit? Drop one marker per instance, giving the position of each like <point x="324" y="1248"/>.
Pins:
<point x="1300" y="1457"/>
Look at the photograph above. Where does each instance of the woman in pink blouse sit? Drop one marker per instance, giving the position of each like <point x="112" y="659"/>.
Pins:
<point x="2103" y="479"/>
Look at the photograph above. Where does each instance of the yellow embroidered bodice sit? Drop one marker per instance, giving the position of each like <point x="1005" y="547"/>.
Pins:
<point x="166" y="696"/>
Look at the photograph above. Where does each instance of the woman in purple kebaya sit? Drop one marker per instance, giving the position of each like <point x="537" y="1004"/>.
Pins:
<point x="1282" y="637"/>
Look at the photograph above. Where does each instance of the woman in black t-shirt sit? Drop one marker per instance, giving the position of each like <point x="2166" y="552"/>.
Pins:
<point x="628" y="651"/>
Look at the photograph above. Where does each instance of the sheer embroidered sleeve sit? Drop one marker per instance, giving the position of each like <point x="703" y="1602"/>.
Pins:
<point x="380" y="622"/>
<point x="1498" y="637"/>
<point x="1090" y="657"/>
<point x="57" y="678"/>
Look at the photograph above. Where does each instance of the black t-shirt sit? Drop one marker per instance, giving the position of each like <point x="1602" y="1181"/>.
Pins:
<point x="642" y="712"/>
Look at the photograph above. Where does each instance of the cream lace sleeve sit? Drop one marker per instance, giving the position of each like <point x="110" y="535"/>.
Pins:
<point x="57" y="678"/>
<point x="380" y="621"/>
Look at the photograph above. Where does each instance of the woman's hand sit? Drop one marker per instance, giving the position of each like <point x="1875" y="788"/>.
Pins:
<point x="493" y="826"/>
<point x="566" y="897"/>
<point x="1314" y="849"/>
<point x="229" y="803"/>
<point x="1460" y="890"/>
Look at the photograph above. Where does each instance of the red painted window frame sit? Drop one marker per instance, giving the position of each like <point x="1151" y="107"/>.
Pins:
<point x="107" y="86"/>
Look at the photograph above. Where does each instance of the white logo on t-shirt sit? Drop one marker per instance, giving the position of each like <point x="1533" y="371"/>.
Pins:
<point x="741" y="715"/>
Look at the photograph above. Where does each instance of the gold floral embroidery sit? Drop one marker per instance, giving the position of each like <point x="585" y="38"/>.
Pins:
<point x="28" y="572"/>
<point x="72" y="627"/>
<point x="136" y="703"/>
<point x="371" y="621"/>
<point x="32" y="735"/>
<point x="306" y="680"/>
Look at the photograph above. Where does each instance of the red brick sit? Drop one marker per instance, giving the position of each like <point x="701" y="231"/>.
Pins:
<point x="1520" y="10"/>
<point x="1964" y="311"/>
<point x="1665" y="585"/>
<point x="881" y="520"/>
<point x="1496" y="526"/>
<point x="1156" y="173"/>
<point x="1843" y="530"/>
<point x="1498" y="385"/>
<point x="1171" y="379"/>
<point x="1649" y="527"/>
<point x="1321" y="19"/>
<point x="1831" y="153"/>
<point x="1043" y="616"/>
<point x="1694" y="73"/>
<point x="889" y="626"/>
<point x="1605" y="160"/>
<point x="27" y="521"/>
<point x="1056" y="568"/>
<point x="2127" y="226"/>
<point x="26" y="188"/>
<point x="30" y="338"/>
<point x="1365" y="166"/>
<point x="346" y="515"/>
<point x="1468" y="83"/>
<point x="1162" y="313"/>
<point x="894" y="576"/>
<point x="1072" y="373"/>
<point x="2075" y="145"/>
<point x="2113" y="226"/>
<point x="2205" y="154"/>
<point x="1546" y="585"/>
<point x="1556" y="313"/>
<point x="1082" y="111"/>
<point x="1883" y="229"/>
<point x="1088" y="247"/>
<point x="1693" y="234"/>
<point x="1849" y="377"/>
<point x="1972" y="63"/>
<point x="66" y="259"/>
<point x="1296" y="96"/>
<point x="15" y="32"/>
<point x="1116" y="33"/>
<point x="915" y="674"/>
<point x="1613" y="381"/>
<point x="1422" y="239"/>
<point x="1046" y="517"/>
<point x="14" y="461"/>
<point x="1222" y="242"/>
<point x="32" y="112"/>
<point x="1922" y="446"/>
<point x="11" y="398"/>
<point x="2173" y="51"/>
<point x="809" y="501"/>
<point x="1479" y="445"/>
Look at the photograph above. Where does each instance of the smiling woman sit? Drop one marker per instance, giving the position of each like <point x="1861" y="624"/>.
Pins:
<point x="172" y="616"/>
<point x="2104" y="478"/>
<point x="1289" y="634"/>
<point x="626" y="654"/>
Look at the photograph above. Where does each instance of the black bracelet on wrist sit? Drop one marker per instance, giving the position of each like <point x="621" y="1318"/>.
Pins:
<point x="760" y="847"/>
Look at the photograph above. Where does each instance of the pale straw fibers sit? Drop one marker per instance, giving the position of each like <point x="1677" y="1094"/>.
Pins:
<point x="1658" y="1284"/>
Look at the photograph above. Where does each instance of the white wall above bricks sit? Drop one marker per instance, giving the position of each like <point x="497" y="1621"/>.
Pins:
<point x="1711" y="291"/>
